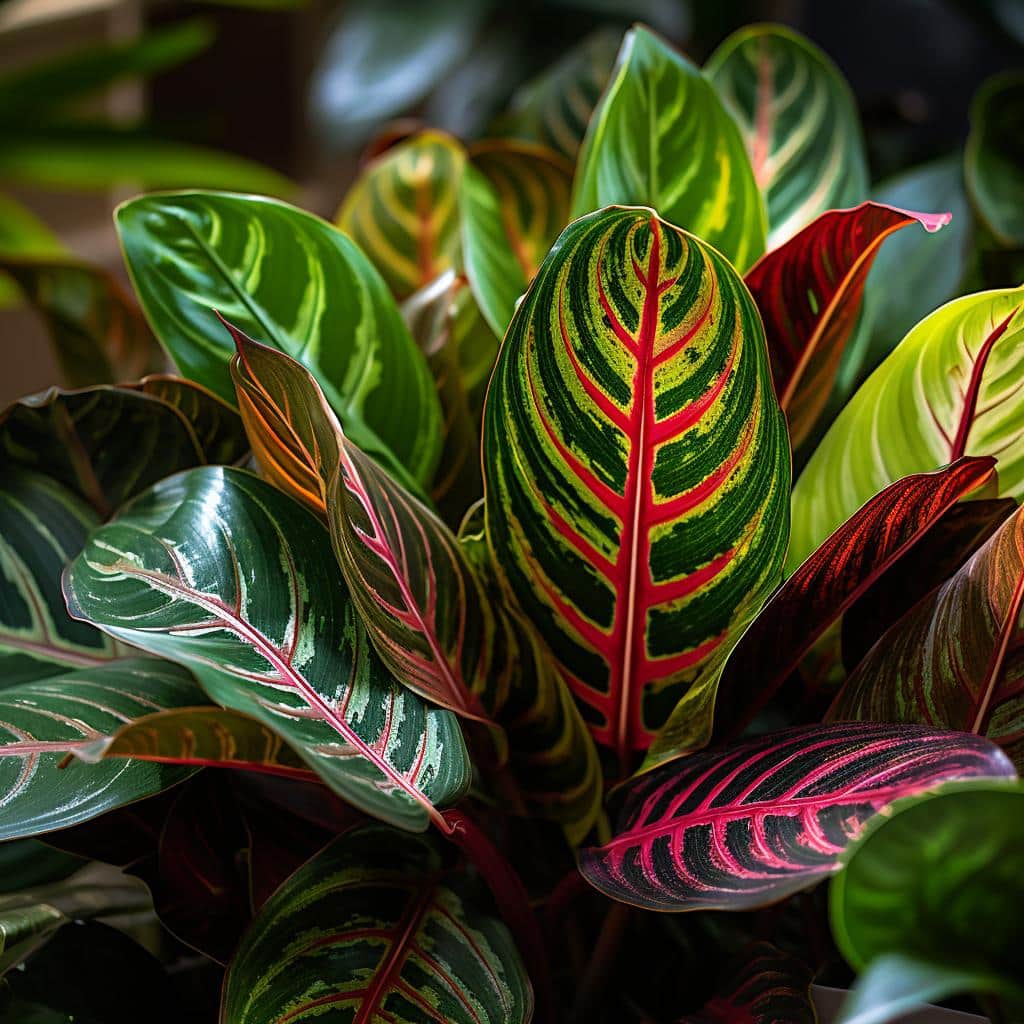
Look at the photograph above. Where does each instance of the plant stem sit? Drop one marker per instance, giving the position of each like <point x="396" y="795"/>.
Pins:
<point x="601" y="961"/>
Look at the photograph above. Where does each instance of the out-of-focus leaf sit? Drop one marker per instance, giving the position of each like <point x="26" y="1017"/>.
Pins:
<point x="954" y="386"/>
<point x="374" y="929"/>
<point x="809" y="294"/>
<point x="636" y="466"/>
<point x="956" y="659"/>
<point x="381" y="59"/>
<point x="98" y="332"/>
<point x="28" y="863"/>
<point x="22" y="233"/>
<point x="303" y="287"/>
<point x="799" y="122"/>
<point x="994" y="157"/>
<point x="660" y="137"/>
<point x="777" y="815"/>
<point x="255" y="605"/>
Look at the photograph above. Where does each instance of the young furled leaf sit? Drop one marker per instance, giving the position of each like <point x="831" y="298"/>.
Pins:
<point x="636" y="465"/>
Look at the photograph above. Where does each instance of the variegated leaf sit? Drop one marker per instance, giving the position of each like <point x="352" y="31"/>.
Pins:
<point x="809" y="292"/>
<point x="373" y="930"/>
<point x="427" y="609"/>
<point x="254" y="604"/>
<point x="748" y="826"/>
<point x="42" y="721"/>
<point x="799" y="121"/>
<point x="956" y="659"/>
<point x="636" y="465"/>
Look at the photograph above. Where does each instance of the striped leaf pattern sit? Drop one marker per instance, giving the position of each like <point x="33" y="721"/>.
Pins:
<point x="304" y="288"/>
<point x="956" y="659"/>
<point x="746" y="827"/>
<point x="42" y="527"/>
<point x="373" y="931"/>
<point x="660" y="137"/>
<point x="954" y="386"/>
<point x="403" y="211"/>
<point x="255" y="605"/>
<point x="809" y="292"/>
<point x="799" y="122"/>
<point x="108" y="444"/>
<point x="828" y="583"/>
<point x="41" y="721"/>
<point x="636" y="465"/>
<point x="428" y="610"/>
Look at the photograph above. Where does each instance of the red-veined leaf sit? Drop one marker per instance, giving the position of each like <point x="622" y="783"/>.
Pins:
<point x="809" y="292"/>
<point x="745" y="827"/>
<point x="636" y="465"/>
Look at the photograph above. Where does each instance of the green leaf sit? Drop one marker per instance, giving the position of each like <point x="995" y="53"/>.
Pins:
<point x="799" y="121"/>
<point x="954" y="386"/>
<point x="300" y="285"/>
<point x="636" y="466"/>
<point x="372" y="929"/>
<point x="994" y="157"/>
<point x="938" y="879"/>
<point x="98" y="333"/>
<point x="108" y="444"/>
<point x="42" y="527"/>
<point x="22" y="233"/>
<point x="256" y="606"/>
<point x="660" y="137"/>
<point x="42" y="721"/>
<point x="27" y="863"/>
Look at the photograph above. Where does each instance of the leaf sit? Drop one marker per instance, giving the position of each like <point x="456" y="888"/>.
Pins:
<point x="954" y="660"/>
<point x="952" y="387"/>
<point x="270" y="268"/>
<point x="108" y="444"/>
<point x="201" y="736"/>
<point x="660" y="137"/>
<point x="799" y="121"/>
<point x="748" y="826"/>
<point x="98" y="333"/>
<point x="426" y="608"/>
<point x="809" y="293"/>
<point x="22" y="233"/>
<point x="636" y="465"/>
<point x="403" y="211"/>
<point x="554" y="108"/>
<point x="836" y="575"/>
<point x="372" y="929"/>
<point x="936" y="879"/>
<point x="42" y="721"/>
<point x="955" y="536"/>
<point x="42" y="527"/>
<point x="768" y="987"/>
<point x="28" y="863"/>
<point x="994" y="158"/>
<point x="255" y="606"/>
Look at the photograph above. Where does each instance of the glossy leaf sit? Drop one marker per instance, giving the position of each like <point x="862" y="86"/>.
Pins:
<point x="809" y="293"/>
<point x="748" y="826"/>
<point x="829" y="582"/>
<point x="952" y="387"/>
<point x="426" y="607"/>
<point x="41" y="721"/>
<point x="937" y="880"/>
<point x="403" y="211"/>
<point x="255" y="605"/>
<point x="799" y="122"/>
<point x="98" y="333"/>
<point x="108" y="444"/>
<point x="660" y="137"/>
<point x="954" y="660"/>
<point x="994" y="158"/>
<point x="42" y="527"/>
<point x="300" y="285"/>
<point x="372" y="929"/>
<point x="554" y="108"/>
<point x="769" y="987"/>
<point x="636" y="465"/>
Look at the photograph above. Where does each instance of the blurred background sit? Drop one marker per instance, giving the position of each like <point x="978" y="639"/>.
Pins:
<point x="102" y="99"/>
